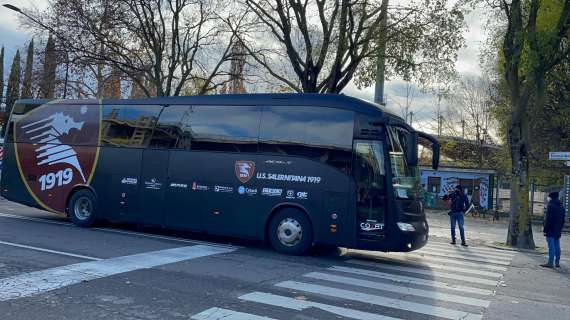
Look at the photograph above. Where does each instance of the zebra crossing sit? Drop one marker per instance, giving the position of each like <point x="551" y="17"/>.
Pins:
<point x="439" y="281"/>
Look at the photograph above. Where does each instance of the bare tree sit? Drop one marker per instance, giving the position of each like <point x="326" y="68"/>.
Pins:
<point x="315" y="46"/>
<point x="471" y="110"/>
<point x="158" y="44"/>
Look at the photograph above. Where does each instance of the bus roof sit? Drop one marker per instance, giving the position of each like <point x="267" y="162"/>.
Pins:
<point x="276" y="99"/>
<point x="339" y="101"/>
<point x="268" y="99"/>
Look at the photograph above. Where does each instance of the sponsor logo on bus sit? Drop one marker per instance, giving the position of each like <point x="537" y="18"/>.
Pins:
<point x="288" y="177"/>
<point x="302" y="195"/>
<point x="224" y="189"/>
<point x="179" y="185"/>
<point x="199" y="187"/>
<point x="278" y="162"/>
<point x="153" y="184"/>
<point x="131" y="181"/>
<point x="272" y="192"/>
<point x="247" y="191"/>
<point x="290" y="194"/>
<point x="371" y="226"/>
<point x="56" y="144"/>
<point x="244" y="170"/>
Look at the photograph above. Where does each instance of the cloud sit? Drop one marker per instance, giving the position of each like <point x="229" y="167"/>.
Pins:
<point x="424" y="105"/>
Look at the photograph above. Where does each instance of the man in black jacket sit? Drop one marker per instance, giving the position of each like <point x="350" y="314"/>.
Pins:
<point x="458" y="206"/>
<point x="553" y="224"/>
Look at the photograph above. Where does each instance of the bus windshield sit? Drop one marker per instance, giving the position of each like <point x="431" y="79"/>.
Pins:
<point x="405" y="178"/>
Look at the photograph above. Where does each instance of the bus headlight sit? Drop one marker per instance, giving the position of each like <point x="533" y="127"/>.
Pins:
<point x="406" y="227"/>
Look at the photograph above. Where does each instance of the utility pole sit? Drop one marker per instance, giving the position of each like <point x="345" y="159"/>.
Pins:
<point x="381" y="61"/>
<point x="411" y="118"/>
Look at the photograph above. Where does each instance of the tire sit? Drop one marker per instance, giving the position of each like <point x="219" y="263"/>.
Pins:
<point x="82" y="208"/>
<point x="290" y="232"/>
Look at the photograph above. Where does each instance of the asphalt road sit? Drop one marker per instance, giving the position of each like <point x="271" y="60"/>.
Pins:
<point x="50" y="269"/>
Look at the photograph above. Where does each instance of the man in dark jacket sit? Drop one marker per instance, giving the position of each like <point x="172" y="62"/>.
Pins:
<point x="553" y="224"/>
<point x="459" y="203"/>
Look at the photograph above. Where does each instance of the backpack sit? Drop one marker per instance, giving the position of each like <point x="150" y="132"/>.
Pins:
<point x="458" y="203"/>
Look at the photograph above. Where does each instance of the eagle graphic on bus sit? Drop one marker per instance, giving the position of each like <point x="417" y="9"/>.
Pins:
<point x="47" y="133"/>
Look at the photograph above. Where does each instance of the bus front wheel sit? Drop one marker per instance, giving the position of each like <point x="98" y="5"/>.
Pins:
<point x="82" y="208"/>
<point x="290" y="232"/>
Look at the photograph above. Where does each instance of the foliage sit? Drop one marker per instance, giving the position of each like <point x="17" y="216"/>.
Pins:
<point x="27" y="83"/>
<point x="1" y="75"/>
<point x="13" y="88"/>
<point x="47" y="82"/>
<point x="320" y="45"/>
<point x="422" y="44"/>
<point x="534" y="44"/>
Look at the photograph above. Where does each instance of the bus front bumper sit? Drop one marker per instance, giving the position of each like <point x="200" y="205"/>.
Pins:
<point x="398" y="241"/>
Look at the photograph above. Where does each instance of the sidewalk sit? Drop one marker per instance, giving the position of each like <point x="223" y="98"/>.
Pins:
<point x="529" y="291"/>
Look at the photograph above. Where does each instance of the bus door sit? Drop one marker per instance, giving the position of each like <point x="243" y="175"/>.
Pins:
<point x="369" y="176"/>
<point x="153" y="184"/>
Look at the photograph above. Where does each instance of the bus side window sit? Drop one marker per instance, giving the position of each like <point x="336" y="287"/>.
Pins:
<point x="315" y="133"/>
<point x="225" y="128"/>
<point x="172" y="130"/>
<point x="129" y="125"/>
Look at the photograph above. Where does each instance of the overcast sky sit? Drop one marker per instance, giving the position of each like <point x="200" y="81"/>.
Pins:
<point x="423" y="105"/>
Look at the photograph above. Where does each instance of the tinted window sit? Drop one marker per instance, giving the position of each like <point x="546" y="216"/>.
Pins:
<point x="129" y="126"/>
<point x="323" y="134"/>
<point x="213" y="128"/>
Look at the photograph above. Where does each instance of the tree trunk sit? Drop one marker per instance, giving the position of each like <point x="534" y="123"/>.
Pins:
<point x="520" y="227"/>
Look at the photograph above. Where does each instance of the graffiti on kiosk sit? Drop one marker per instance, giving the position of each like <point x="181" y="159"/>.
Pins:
<point x="288" y="177"/>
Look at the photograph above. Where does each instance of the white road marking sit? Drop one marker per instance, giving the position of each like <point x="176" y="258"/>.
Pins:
<point x="474" y="249"/>
<point x="411" y="280"/>
<point x="14" y="216"/>
<point x="49" y="251"/>
<point x="153" y="236"/>
<point x="226" y="314"/>
<point x="446" y="262"/>
<point x="426" y="272"/>
<point x="465" y="257"/>
<point x="299" y="305"/>
<point x="399" y="289"/>
<point x="380" y="301"/>
<point x="465" y="253"/>
<point x="446" y="267"/>
<point x="37" y="282"/>
<point x="112" y="230"/>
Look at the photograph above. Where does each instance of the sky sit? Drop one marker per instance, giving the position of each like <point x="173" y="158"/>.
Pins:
<point x="423" y="105"/>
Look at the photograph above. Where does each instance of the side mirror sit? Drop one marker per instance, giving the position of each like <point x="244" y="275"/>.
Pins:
<point x="435" y="149"/>
<point x="412" y="149"/>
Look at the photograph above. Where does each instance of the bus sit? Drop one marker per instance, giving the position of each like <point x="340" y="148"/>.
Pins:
<point x="295" y="170"/>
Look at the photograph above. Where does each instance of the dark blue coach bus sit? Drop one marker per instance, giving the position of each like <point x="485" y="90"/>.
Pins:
<point x="294" y="169"/>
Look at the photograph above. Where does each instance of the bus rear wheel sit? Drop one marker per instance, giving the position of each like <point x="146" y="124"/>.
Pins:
<point x="82" y="208"/>
<point x="290" y="232"/>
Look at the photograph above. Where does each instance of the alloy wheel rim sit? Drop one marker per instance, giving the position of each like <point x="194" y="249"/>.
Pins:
<point x="289" y="232"/>
<point x="83" y="208"/>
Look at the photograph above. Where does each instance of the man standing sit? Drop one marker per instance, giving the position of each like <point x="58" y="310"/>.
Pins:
<point x="459" y="203"/>
<point x="553" y="224"/>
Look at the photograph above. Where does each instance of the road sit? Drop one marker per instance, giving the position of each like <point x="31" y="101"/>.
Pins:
<point x="50" y="269"/>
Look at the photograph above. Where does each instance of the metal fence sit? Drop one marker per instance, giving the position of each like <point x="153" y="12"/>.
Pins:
<point x="538" y="197"/>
